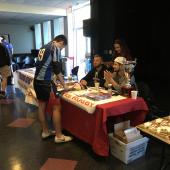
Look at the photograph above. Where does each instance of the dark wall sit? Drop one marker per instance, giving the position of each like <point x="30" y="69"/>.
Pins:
<point x="103" y="30"/>
<point x="145" y="27"/>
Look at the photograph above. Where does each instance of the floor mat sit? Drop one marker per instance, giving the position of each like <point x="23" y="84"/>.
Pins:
<point x="6" y="101"/>
<point x="59" y="164"/>
<point x="21" y="122"/>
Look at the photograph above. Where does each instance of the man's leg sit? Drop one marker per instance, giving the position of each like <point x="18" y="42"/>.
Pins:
<point x="41" y="115"/>
<point x="57" y="120"/>
<point x="3" y="88"/>
<point x="59" y="138"/>
<point x="4" y="84"/>
<point x="5" y="73"/>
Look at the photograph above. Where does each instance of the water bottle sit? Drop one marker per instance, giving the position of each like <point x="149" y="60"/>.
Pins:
<point x="126" y="89"/>
<point x="109" y="90"/>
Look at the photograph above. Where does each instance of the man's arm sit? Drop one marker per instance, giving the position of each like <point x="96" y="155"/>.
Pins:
<point x="110" y="80"/>
<point x="57" y="72"/>
<point x="88" y="79"/>
<point x="6" y="55"/>
<point x="60" y="78"/>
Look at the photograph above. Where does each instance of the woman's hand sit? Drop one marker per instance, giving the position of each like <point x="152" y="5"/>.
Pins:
<point x="108" y="76"/>
<point x="127" y="75"/>
<point x="66" y="88"/>
<point x="83" y="82"/>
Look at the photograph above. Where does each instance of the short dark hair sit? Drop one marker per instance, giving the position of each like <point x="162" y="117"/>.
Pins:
<point x="61" y="37"/>
<point x="98" y="55"/>
<point x="3" y="37"/>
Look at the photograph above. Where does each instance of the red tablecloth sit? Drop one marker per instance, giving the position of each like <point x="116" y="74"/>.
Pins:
<point x="92" y="128"/>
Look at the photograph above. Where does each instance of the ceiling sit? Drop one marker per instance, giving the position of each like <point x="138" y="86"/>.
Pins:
<point x="29" y="12"/>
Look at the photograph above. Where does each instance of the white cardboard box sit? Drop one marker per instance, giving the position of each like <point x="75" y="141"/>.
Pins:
<point x="128" y="152"/>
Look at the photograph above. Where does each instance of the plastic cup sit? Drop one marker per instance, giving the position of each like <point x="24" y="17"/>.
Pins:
<point x="134" y="94"/>
<point x="97" y="85"/>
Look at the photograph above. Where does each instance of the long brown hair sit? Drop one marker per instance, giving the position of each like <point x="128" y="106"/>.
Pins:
<point x="125" y="52"/>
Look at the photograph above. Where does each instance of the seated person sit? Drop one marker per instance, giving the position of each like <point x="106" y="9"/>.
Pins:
<point x="96" y="74"/>
<point x="119" y="77"/>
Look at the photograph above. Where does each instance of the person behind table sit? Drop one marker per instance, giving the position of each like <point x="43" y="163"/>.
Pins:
<point x="119" y="77"/>
<point x="96" y="74"/>
<point x="46" y="66"/>
<point x="5" y="70"/>
<point x="121" y="49"/>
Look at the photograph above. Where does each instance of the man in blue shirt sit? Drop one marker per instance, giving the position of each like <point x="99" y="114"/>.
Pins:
<point x="46" y="66"/>
<point x="5" y="70"/>
<point x="9" y="48"/>
<point x="7" y="45"/>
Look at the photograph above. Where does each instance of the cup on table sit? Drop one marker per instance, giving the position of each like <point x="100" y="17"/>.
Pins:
<point x="70" y="78"/>
<point x="134" y="94"/>
<point x="97" y="85"/>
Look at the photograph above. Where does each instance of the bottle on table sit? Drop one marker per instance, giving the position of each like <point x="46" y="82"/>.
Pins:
<point x="96" y="81"/>
<point x="126" y="89"/>
<point x="109" y="89"/>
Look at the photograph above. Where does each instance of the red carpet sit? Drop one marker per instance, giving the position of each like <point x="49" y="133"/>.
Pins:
<point x="59" y="164"/>
<point x="6" y="101"/>
<point x="21" y="122"/>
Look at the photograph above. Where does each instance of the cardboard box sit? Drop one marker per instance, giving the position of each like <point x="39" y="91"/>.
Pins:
<point x="125" y="133"/>
<point x="128" y="152"/>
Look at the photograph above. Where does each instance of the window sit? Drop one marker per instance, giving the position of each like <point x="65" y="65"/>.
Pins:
<point x="59" y="29"/>
<point x="38" y="37"/>
<point x="58" y="26"/>
<point x="81" y="47"/>
<point x="47" y="31"/>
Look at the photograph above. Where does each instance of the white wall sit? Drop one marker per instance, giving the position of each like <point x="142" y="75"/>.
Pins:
<point x="22" y="38"/>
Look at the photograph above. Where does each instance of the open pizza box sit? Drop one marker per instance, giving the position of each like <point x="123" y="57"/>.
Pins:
<point x="125" y="133"/>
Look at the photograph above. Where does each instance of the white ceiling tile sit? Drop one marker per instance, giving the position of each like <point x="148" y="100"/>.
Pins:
<point x="11" y="16"/>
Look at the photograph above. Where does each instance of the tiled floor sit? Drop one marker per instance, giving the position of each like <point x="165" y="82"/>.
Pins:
<point x="23" y="149"/>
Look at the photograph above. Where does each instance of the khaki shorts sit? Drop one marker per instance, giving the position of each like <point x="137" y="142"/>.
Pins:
<point x="5" y="71"/>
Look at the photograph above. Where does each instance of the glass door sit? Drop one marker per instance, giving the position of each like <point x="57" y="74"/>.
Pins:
<point x="80" y="52"/>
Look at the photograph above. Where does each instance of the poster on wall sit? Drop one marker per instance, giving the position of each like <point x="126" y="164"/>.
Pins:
<point x="6" y="36"/>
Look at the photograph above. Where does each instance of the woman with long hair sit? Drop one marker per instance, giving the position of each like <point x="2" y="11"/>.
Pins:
<point x="121" y="49"/>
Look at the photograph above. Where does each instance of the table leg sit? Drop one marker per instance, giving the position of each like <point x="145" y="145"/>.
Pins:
<point x="162" y="158"/>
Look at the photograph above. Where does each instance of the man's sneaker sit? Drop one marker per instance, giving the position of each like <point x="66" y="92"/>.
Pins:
<point x="46" y="135"/>
<point x="2" y="96"/>
<point x="63" y="139"/>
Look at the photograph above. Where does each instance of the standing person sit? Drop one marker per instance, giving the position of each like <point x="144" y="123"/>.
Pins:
<point x="9" y="47"/>
<point x="121" y="49"/>
<point x="5" y="70"/>
<point x="46" y="66"/>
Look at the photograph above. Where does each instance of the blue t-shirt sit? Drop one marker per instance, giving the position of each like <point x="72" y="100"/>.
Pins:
<point x="9" y="47"/>
<point x="47" y="63"/>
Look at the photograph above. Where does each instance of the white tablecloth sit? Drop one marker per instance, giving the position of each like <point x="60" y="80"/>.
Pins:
<point x="77" y="98"/>
<point x="23" y="79"/>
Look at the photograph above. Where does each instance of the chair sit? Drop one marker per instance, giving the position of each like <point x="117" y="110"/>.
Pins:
<point x="28" y="62"/>
<point x="150" y="99"/>
<point x="75" y="70"/>
<point x="20" y="61"/>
